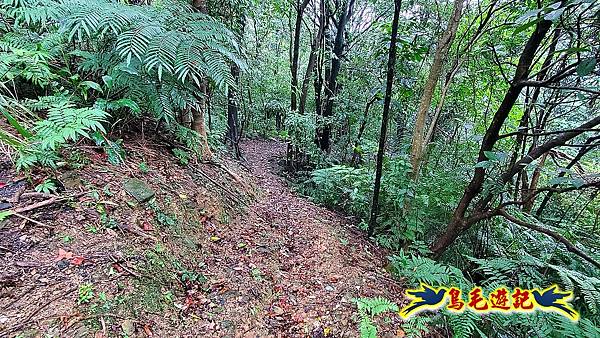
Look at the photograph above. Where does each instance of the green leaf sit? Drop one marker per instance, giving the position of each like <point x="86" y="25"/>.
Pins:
<point x="5" y="214"/>
<point x="483" y="164"/>
<point x="108" y="81"/>
<point x="586" y="67"/>
<point x="554" y="15"/>
<point x="558" y="180"/>
<point x="13" y="122"/>
<point x="11" y="140"/>
<point x="91" y="84"/>
<point x="525" y="26"/>
<point x="577" y="182"/>
<point x="491" y="155"/>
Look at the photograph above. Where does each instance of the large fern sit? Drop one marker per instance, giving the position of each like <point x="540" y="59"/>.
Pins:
<point x="192" y="47"/>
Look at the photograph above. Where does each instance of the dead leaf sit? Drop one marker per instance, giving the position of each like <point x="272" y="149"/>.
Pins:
<point x="215" y="238"/>
<point x="62" y="254"/>
<point x="118" y="267"/>
<point x="77" y="260"/>
<point x="147" y="330"/>
<point x="147" y="226"/>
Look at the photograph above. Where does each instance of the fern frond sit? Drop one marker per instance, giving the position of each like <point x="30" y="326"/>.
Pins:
<point x="135" y="42"/>
<point x="162" y="52"/>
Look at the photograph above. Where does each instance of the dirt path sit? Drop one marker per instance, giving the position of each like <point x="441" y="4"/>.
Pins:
<point x="313" y="260"/>
<point x="281" y="267"/>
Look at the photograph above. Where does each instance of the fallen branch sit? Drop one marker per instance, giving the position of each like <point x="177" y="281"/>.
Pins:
<point x="235" y="177"/>
<point x="226" y="191"/>
<point x="31" y="220"/>
<point x="570" y="246"/>
<point x="34" y="206"/>
<point x="125" y="268"/>
<point x="47" y="202"/>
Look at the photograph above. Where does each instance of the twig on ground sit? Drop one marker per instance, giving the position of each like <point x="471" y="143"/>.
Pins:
<point x="17" y="195"/>
<point x="27" y="319"/>
<point x="135" y="231"/>
<point x="52" y="200"/>
<point x="135" y="274"/>
<point x="31" y="220"/>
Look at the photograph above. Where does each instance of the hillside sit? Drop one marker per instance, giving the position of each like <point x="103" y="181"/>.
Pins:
<point x="205" y="256"/>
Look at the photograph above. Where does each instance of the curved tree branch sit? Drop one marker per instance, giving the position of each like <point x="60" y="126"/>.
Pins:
<point x="559" y="238"/>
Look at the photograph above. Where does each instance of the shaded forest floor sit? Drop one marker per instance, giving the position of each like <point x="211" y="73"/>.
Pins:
<point x="218" y="253"/>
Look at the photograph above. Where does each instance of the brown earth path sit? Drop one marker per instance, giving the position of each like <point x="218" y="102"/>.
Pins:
<point x="278" y="267"/>
<point x="315" y="260"/>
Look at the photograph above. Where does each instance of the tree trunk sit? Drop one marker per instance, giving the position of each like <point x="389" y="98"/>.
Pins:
<point x="315" y="47"/>
<point x="331" y="87"/>
<point x="198" y="124"/>
<point x="458" y="223"/>
<point x="198" y="120"/>
<point x="417" y="147"/>
<point x="356" y="158"/>
<point x="384" y="120"/>
<point x="233" y="133"/>
<point x="529" y="196"/>
<point x="296" y="53"/>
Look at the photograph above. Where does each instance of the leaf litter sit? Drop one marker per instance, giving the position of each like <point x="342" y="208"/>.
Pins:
<point x="243" y="259"/>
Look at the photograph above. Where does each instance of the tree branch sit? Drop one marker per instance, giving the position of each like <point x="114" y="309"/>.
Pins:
<point x="569" y="246"/>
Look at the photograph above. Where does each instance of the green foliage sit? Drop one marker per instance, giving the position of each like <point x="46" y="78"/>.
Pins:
<point x="66" y="123"/>
<point x="187" y="47"/>
<point x="342" y="187"/>
<point x="182" y="155"/>
<point x="114" y="151"/>
<point x="368" y="309"/>
<point x="96" y="57"/>
<point x="85" y="293"/>
<point x="46" y="187"/>
<point x="143" y="167"/>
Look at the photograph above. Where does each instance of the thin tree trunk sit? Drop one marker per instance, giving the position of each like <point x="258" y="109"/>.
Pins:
<point x="312" y="60"/>
<point x="417" y="148"/>
<point x="198" y="124"/>
<point x="331" y="87"/>
<point x="458" y="223"/>
<point x="530" y="195"/>
<point x="384" y="120"/>
<point x="355" y="154"/>
<point x="233" y="133"/>
<point x="296" y="53"/>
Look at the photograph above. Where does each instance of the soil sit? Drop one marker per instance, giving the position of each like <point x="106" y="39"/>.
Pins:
<point x="218" y="253"/>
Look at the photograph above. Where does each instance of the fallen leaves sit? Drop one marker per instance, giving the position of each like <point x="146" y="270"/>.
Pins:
<point x="69" y="256"/>
<point x="147" y="226"/>
<point x="78" y="260"/>
<point x="147" y="330"/>
<point x="62" y="254"/>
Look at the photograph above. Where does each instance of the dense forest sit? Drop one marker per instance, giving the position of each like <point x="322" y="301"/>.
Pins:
<point x="460" y="139"/>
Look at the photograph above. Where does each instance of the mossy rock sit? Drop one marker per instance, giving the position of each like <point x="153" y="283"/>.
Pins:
<point x="139" y="190"/>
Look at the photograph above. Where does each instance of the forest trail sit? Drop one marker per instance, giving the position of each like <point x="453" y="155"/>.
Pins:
<point x="314" y="260"/>
<point x="198" y="264"/>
